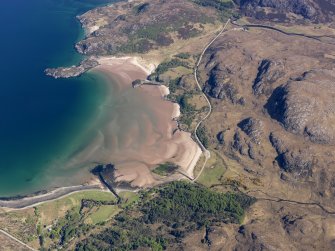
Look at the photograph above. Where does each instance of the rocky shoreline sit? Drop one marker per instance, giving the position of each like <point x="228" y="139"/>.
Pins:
<point x="72" y="71"/>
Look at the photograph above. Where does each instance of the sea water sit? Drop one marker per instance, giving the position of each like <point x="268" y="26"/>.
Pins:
<point x="43" y="121"/>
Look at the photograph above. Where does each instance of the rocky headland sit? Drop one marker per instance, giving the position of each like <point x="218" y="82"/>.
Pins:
<point x="72" y="71"/>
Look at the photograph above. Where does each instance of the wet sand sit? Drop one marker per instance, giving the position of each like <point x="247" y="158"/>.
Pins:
<point x="141" y="131"/>
<point x="138" y="132"/>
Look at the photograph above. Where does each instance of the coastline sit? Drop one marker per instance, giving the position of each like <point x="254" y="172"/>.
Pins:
<point x="28" y="201"/>
<point x="179" y="146"/>
<point x="122" y="71"/>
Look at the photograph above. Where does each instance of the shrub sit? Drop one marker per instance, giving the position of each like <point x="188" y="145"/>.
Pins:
<point x="165" y="169"/>
<point x="202" y="135"/>
<point x="183" y="55"/>
<point x="165" y="66"/>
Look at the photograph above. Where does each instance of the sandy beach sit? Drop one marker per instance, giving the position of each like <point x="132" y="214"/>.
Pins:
<point x="139" y="132"/>
<point x="152" y="137"/>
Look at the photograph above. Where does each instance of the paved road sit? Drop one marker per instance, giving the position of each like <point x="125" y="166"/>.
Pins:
<point x="203" y="148"/>
<point x="17" y="240"/>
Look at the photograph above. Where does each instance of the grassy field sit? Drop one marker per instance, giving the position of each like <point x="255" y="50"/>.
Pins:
<point x="213" y="172"/>
<point x="51" y="210"/>
<point x="102" y="214"/>
<point x="128" y="198"/>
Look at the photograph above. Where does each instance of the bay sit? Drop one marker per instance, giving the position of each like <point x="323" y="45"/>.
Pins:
<point x="43" y="121"/>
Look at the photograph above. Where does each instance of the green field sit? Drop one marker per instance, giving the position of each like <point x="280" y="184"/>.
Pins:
<point x="103" y="214"/>
<point x="213" y="172"/>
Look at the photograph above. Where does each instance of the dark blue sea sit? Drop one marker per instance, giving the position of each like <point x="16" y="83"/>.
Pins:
<point x="43" y="121"/>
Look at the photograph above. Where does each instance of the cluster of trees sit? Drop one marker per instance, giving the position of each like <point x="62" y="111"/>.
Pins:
<point x="181" y="202"/>
<point x="72" y="225"/>
<point x="69" y="227"/>
<point x="185" y="106"/>
<point x="183" y="55"/>
<point x="165" y="66"/>
<point x="168" y="213"/>
<point x="202" y="135"/>
<point x="174" y="84"/>
<point x="174" y="63"/>
<point x="124" y="235"/>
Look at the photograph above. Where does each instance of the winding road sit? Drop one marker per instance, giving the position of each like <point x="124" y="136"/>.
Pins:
<point x="203" y="148"/>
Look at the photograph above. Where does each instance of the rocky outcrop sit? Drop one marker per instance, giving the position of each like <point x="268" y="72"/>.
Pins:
<point x="220" y="137"/>
<point x="316" y="10"/>
<point x="244" y="147"/>
<point x="304" y="8"/>
<point x="253" y="128"/>
<point x="72" y="71"/>
<point x="273" y="70"/>
<point x="268" y="73"/>
<point x="306" y="106"/>
<point x="219" y="86"/>
<point x="300" y="7"/>
<point x="298" y="162"/>
<point x="239" y="144"/>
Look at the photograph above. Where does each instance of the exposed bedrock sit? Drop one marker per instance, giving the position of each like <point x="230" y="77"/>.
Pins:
<point x="219" y="85"/>
<point x="299" y="162"/>
<point x="72" y="71"/>
<point x="253" y="128"/>
<point x="306" y="106"/>
<point x="286" y="10"/>
<point x="245" y="147"/>
<point x="268" y="73"/>
<point x="295" y="228"/>
<point x="304" y="8"/>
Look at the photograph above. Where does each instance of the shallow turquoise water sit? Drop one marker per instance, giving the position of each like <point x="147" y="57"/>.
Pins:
<point x="42" y="120"/>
